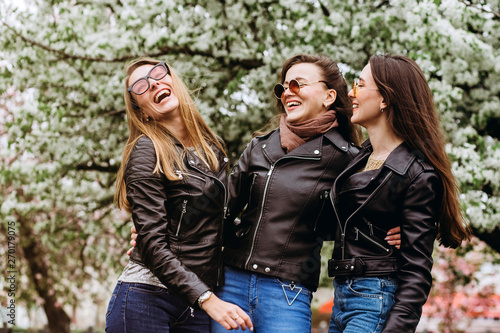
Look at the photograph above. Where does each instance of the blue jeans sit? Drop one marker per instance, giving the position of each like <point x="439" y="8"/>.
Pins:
<point x="138" y="307"/>
<point x="274" y="305"/>
<point x="361" y="305"/>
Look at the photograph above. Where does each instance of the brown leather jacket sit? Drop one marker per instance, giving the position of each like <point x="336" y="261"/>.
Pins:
<point x="405" y="192"/>
<point x="179" y="223"/>
<point x="287" y="210"/>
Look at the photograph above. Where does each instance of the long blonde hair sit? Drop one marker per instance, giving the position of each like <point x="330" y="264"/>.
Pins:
<point x="168" y="158"/>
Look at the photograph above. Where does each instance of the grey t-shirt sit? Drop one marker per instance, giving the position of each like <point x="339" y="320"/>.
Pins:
<point x="136" y="272"/>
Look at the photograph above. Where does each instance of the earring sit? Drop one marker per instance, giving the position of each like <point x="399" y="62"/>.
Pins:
<point x="325" y="106"/>
<point x="382" y="110"/>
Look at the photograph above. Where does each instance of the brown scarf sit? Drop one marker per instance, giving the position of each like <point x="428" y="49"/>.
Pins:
<point x="294" y="135"/>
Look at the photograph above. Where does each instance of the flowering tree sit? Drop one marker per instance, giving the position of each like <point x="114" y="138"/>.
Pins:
<point x="463" y="288"/>
<point x="64" y="125"/>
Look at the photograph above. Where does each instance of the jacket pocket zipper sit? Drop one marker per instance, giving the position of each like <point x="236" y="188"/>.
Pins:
<point x="370" y="225"/>
<point x="324" y="197"/>
<point x="358" y="232"/>
<point x="195" y="176"/>
<point x="184" y="204"/>
<point x="254" y="177"/>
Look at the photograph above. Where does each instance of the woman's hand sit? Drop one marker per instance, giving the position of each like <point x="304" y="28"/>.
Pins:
<point x="134" y="237"/>
<point x="227" y="314"/>
<point x="393" y="237"/>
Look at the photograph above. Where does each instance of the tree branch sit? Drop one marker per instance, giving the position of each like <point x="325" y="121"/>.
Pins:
<point x="383" y="3"/>
<point x="97" y="167"/>
<point x="112" y="113"/>
<point x="183" y="49"/>
<point x="324" y="9"/>
<point x="496" y="16"/>
<point x="489" y="237"/>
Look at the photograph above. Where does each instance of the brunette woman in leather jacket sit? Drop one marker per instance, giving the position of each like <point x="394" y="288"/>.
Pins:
<point x="402" y="176"/>
<point x="173" y="182"/>
<point x="281" y="187"/>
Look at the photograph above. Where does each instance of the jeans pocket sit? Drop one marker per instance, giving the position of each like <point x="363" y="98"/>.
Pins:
<point x="389" y="284"/>
<point x="147" y="289"/>
<point x="113" y="298"/>
<point x="365" y="287"/>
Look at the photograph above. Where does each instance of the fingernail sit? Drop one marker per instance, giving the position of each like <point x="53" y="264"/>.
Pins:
<point x="389" y="233"/>
<point x="386" y="238"/>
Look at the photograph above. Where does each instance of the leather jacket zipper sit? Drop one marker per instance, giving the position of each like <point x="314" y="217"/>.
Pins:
<point x="326" y="195"/>
<point x="184" y="204"/>
<point x="343" y="229"/>
<point x="216" y="180"/>
<point x="195" y="176"/>
<point x="269" y="173"/>
<point x="181" y="175"/>
<point x="251" y="188"/>
<point x="370" y="225"/>
<point x="224" y="212"/>
<point x="371" y="240"/>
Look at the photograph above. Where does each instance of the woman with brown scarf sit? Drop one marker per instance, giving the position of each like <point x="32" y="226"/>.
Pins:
<point x="281" y="186"/>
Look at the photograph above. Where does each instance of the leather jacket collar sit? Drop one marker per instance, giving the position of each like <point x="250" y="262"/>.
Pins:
<point x="398" y="161"/>
<point x="312" y="148"/>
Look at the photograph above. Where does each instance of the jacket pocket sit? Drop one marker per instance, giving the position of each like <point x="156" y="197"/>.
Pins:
<point x="181" y="175"/>
<point x="254" y="177"/>
<point x="184" y="210"/>
<point x="324" y="196"/>
<point x="195" y="177"/>
<point x="371" y="241"/>
<point x="374" y="229"/>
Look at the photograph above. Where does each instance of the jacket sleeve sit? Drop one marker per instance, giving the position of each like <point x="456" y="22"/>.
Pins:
<point x="146" y="193"/>
<point x="238" y="188"/>
<point x="421" y="208"/>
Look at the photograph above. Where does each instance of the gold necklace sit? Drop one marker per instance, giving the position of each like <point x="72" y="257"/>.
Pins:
<point x="373" y="164"/>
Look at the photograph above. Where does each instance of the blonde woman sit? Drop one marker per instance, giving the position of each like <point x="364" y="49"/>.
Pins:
<point x="173" y="182"/>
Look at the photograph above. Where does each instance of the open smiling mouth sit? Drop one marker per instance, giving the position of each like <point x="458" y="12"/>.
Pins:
<point x="161" y="95"/>
<point x="291" y="104"/>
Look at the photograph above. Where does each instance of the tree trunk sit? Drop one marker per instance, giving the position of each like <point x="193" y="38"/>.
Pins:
<point x="34" y="254"/>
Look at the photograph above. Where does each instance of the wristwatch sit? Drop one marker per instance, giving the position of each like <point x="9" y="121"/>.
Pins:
<point x="205" y="296"/>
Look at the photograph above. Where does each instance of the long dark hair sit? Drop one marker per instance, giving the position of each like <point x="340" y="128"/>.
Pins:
<point x="331" y="74"/>
<point x="412" y="116"/>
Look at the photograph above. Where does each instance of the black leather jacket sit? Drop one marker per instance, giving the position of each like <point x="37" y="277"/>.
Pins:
<point x="179" y="223"/>
<point x="287" y="208"/>
<point x="406" y="191"/>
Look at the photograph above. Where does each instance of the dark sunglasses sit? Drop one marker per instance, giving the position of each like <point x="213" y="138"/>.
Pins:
<point x="141" y="85"/>
<point x="294" y="87"/>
